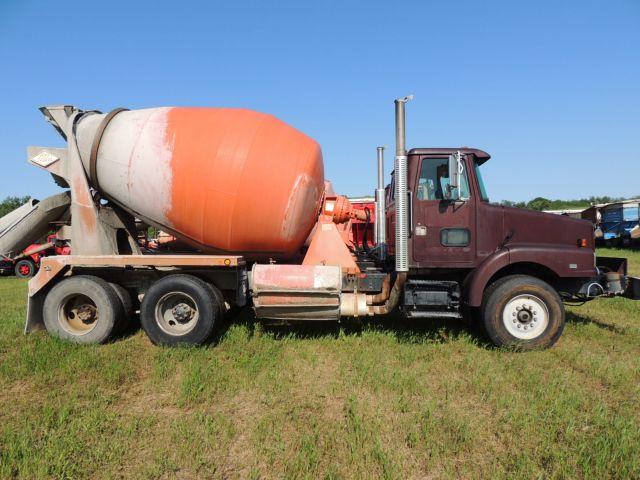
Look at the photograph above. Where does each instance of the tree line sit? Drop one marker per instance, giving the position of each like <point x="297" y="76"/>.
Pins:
<point x="542" y="203"/>
<point x="11" y="203"/>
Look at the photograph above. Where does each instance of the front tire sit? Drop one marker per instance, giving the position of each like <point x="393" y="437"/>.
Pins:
<point x="180" y="310"/>
<point x="523" y="312"/>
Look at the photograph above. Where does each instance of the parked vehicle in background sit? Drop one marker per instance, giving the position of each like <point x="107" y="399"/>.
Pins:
<point x="22" y="228"/>
<point x="6" y="265"/>
<point x="611" y="222"/>
<point x="618" y="221"/>
<point x="625" y="230"/>
<point x="630" y="220"/>
<point x="27" y="263"/>
<point x="593" y="214"/>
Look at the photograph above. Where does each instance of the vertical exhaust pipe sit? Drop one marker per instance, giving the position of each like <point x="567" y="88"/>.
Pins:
<point x="401" y="200"/>
<point x="381" y="226"/>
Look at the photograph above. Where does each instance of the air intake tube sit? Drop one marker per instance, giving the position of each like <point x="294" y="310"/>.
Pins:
<point x="401" y="200"/>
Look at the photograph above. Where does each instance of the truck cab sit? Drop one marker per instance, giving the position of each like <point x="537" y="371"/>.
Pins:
<point x="464" y="231"/>
<point x="462" y="248"/>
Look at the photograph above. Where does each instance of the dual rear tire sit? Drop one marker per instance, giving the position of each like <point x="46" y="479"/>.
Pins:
<point x="177" y="309"/>
<point x="181" y="310"/>
<point x="85" y="309"/>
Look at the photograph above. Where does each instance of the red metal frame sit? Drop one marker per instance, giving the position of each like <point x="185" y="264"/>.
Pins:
<point x="358" y="226"/>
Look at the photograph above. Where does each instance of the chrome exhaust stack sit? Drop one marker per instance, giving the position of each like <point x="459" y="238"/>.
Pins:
<point x="401" y="195"/>
<point x="381" y="226"/>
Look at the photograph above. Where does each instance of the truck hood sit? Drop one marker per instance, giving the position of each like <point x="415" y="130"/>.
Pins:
<point x="528" y="226"/>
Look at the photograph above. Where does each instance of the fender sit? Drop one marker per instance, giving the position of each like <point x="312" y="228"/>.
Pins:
<point x="563" y="261"/>
<point x="477" y="280"/>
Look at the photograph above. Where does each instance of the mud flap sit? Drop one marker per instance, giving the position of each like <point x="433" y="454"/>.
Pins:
<point x="35" y="322"/>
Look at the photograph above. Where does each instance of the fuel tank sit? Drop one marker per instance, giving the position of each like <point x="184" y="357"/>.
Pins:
<point x="223" y="180"/>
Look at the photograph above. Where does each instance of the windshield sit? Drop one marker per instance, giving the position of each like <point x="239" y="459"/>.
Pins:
<point x="483" y="189"/>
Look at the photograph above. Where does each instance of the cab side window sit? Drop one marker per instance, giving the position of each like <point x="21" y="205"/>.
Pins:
<point x="433" y="182"/>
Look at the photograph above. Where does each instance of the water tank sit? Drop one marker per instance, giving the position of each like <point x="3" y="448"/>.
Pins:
<point x="224" y="180"/>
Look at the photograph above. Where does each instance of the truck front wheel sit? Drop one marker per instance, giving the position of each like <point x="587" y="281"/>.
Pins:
<point x="180" y="309"/>
<point x="523" y="312"/>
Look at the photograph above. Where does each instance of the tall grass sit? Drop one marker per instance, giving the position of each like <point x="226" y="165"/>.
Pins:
<point x="393" y="399"/>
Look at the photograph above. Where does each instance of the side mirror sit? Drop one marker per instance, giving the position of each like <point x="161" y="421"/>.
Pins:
<point x="455" y="172"/>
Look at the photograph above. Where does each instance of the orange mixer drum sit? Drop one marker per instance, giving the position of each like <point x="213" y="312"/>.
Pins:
<point x="226" y="180"/>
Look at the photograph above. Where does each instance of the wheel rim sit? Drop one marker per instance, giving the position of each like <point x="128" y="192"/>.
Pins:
<point x="525" y="317"/>
<point x="78" y="314"/>
<point x="177" y="313"/>
<point x="24" y="269"/>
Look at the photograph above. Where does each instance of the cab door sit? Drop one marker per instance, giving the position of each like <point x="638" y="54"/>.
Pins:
<point x="443" y="233"/>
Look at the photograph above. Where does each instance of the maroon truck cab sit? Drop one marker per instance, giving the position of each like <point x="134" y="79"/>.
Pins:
<point x="460" y="247"/>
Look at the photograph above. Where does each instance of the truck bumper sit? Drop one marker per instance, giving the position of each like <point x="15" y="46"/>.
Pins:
<point x="633" y="288"/>
<point x="612" y="280"/>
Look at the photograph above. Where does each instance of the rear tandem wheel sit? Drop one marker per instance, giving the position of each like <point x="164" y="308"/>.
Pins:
<point x="83" y="309"/>
<point x="181" y="309"/>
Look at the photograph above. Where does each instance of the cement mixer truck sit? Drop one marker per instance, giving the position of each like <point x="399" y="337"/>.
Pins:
<point x="441" y="248"/>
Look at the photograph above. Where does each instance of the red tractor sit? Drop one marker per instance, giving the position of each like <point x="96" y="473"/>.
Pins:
<point x="26" y="264"/>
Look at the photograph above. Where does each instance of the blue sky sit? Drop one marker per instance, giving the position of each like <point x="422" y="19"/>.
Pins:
<point x="550" y="88"/>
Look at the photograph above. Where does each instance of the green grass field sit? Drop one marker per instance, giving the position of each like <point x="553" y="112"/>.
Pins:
<point x="395" y="399"/>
